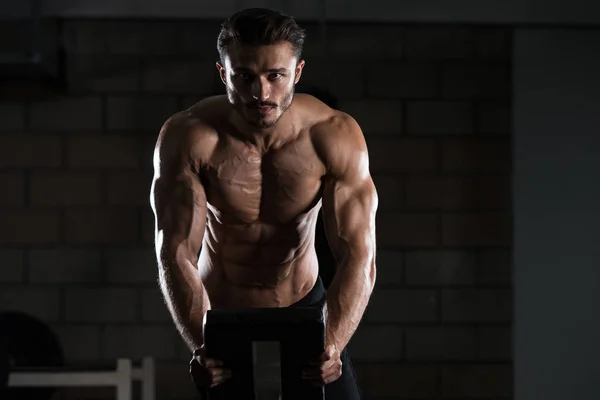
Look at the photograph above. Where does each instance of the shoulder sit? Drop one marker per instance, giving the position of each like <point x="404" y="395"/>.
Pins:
<point x="338" y="139"/>
<point x="189" y="136"/>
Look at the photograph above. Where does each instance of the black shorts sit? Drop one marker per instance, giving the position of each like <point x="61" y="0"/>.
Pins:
<point x="346" y="386"/>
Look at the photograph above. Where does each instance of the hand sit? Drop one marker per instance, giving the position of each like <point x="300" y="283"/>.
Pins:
<point x="207" y="372"/>
<point x="326" y="369"/>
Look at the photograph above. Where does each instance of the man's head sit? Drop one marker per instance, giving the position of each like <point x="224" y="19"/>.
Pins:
<point x="260" y="62"/>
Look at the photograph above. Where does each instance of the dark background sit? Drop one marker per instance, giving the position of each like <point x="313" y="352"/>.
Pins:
<point x="465" y="122"/>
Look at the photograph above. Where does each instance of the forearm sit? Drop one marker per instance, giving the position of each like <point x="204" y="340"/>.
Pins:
<point x="347" y="299"/>
<point x="186" y="299"/>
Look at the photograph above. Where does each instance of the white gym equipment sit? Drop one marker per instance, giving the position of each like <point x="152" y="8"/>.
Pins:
<point x="122" y="378"/>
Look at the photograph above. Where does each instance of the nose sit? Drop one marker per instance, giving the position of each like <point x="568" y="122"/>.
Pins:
<point x="260" y="89"/>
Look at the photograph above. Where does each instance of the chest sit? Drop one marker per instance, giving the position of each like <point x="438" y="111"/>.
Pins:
<point x="277" y="186"/>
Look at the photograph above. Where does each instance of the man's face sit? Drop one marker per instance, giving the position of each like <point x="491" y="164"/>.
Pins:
<point x="260" y="81"/>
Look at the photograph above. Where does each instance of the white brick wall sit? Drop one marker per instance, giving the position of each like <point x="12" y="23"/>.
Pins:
<point x="441" y="343"/>
<point x="65" y="265"/>
<point x="159" y="341"/>
<point x="12" y="115"/>
<point x="42" y="302"/>
<point x="441" y="268"/>
<point x="101" y="305"/>
<point x="12" y="266"/>
<point x="376" y="116"/>
<point x="77" y="231"/>
<point x="389" y="306"/>
<point x="135" y="266"/>
<point x="377" y="343"/>
<point x="451" y="118"/>
<point x="73" y="113"/>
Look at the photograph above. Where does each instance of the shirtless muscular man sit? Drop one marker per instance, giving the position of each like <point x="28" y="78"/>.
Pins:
<point x="239" y="180"/>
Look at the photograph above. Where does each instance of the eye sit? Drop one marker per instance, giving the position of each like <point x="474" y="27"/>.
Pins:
<point x="275" y="76"/>
<point x="244" y="76"/>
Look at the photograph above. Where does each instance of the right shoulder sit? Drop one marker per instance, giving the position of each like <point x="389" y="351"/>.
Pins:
<point x="186" y="137"/>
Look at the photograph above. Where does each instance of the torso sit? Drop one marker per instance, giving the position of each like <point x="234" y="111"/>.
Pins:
<point x="258" y="249"/>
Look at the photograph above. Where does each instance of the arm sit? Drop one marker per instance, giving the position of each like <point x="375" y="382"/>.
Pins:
<point x="179" y="204"/>
<point x="349" y="207"/>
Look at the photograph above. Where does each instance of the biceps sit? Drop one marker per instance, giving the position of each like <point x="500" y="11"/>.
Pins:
<point x="349" y="216"/>
<point x="179" y="205"/>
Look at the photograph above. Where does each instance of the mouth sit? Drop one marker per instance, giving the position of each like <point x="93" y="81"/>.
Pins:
<point x="263" y="110"/>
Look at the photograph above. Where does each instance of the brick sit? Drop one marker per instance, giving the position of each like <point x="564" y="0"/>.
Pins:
<point x="20" y="150"/>
<point x="12" y="268"/>
<point x="390" y="189"/>
<point x="447" y="42"/>
<point x="147" y="112"/>
<point x="39" y="302"/>
<point x="364" y="42"/>
<point x="103" y="151"/>
<point x="475" y="81"/>
<point x="388" y="306"/>
<point x="181" y="76"/>
<point x="131" y="265"/>
<point x="66" y="188"/>
<point x="441" y="343"/>
<point x="64" y="265"/>
<point x="376" y="343"/>
<point x="142" y="37"/>
<point x="85" y="36"/>
<point x="13" y="188"/>
<point x="29" y="227"/>
<point x="158" y="341"/>
<point x="67" y="114"/>
<point x="130" y="188"/>
<point x="476" y="381"/>
<point x="495" y="267"/>
<point x="495" y="343"/>
<point x="392" y="155"/>
<point x="99" y="73"/>
<point x="174" y="382"/>
<point x="199" y="38"/>
<point x="154" y="308"/>
<point x="440" y="192"/>
<point x="101" y="305"/>
<point x="400" y="381"/>
<point x="189" y="101"/>
<point x="439" y="118"/>
<point x="390" y="267"/>
<point x="80" y="343"/>
<point x="12" y="116"/>
<point x="493" y="118"/>
<point x="495" y="192"/>
<point x="147" y="226"/>
<point x="399" y="229"/>
<point x="451" y="267"/>
<point x="376" y="116"/>
<point x="494" y="42"/>
<point x="476" y="305"/>
<point x="412" y="80"/>
<point x="335" y="75"/>
<point x="147" y="152"/>
<point x="102" y="226"/>
<point x="472" y="155"/>
<point x="477" y="229"/>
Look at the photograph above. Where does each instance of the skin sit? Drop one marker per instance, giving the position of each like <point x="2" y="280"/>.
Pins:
<point x="236" y="195"/>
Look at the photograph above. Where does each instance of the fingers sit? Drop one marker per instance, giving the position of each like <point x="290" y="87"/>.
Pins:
<point x="210" y="373"/>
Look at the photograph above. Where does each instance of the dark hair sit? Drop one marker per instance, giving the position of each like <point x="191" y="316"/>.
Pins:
<point x="260" y="26"/>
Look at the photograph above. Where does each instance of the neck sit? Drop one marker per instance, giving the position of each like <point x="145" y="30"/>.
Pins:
<point x="263" y="138"/>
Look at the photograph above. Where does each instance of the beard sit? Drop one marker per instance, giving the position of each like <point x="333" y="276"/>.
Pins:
<point x="246" y="110"/>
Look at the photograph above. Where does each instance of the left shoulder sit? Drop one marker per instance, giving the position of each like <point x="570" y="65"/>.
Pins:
<point x="339" y="141"/>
